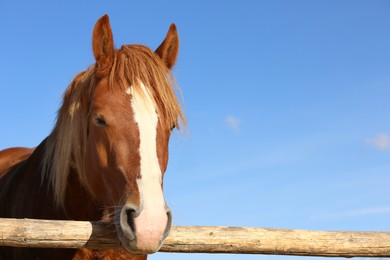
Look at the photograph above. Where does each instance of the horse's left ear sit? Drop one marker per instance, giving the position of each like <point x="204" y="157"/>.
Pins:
<point x="169" y="48"/>
<point x="103" y="44"/>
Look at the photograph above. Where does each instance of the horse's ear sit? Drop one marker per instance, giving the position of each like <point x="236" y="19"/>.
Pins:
<point x="169" y="48"/>
<point x="103" y="44"/>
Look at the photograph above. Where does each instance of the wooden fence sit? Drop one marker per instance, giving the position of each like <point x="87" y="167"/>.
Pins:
<point x="197" y="239"/>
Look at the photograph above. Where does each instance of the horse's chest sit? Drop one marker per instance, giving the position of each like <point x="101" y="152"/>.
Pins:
<point x="108" y="254"/>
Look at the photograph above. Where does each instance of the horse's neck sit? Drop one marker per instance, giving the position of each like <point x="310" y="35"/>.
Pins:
<point x="23" y="192"/>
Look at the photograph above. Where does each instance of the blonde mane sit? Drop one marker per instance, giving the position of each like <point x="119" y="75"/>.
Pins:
<point x="65" y="147"/>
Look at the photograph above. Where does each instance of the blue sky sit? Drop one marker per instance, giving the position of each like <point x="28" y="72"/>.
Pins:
<point x="287" y="103"/>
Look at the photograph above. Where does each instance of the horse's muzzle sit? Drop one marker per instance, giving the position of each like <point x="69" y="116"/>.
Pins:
<point x="143" y="230"/>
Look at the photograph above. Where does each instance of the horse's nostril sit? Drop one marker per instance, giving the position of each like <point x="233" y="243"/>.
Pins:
<point x="169" y="223"/>
<point x="129" y="212"/>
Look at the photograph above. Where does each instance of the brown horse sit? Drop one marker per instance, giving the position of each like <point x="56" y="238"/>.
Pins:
<point x="106" y="156"/>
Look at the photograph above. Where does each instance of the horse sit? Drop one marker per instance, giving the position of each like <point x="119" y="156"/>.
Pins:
<point x="106" y="156"/>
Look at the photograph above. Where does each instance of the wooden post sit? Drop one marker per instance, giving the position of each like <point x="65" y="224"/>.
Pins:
<point x="230" y="240"/>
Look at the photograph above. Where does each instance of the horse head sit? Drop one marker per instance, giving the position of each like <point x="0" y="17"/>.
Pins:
<point x="131" y="115"/>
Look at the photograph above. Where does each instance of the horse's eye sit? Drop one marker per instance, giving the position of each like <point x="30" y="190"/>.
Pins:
<point x="100" y="121"/>
<point x="172" y="128"/>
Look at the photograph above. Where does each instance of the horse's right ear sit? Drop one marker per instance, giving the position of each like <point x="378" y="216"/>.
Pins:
<point x="103" y="45"/>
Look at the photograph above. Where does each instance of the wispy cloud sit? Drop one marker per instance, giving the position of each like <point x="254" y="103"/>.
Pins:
<point x="380" y="142"/>
<point x="233" y="123"/>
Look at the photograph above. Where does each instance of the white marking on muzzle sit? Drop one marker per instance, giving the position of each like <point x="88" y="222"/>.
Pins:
<point x="152" y="221"/>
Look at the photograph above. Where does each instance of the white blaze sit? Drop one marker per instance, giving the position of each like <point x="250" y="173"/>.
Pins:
<point x="152" y="221"/>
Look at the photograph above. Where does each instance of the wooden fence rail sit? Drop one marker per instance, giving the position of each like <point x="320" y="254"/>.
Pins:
<point x="196" y="239"/>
